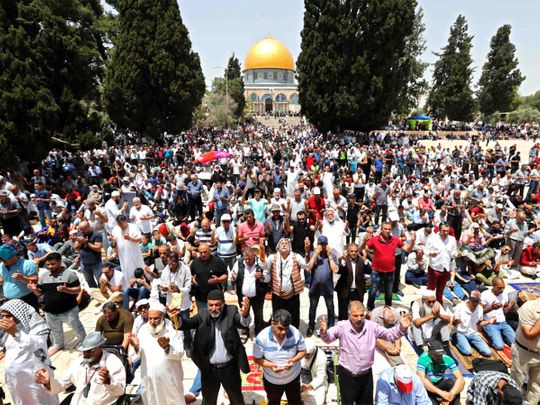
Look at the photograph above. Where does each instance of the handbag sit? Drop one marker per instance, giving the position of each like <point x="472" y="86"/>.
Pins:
<point x="305" y="373"/>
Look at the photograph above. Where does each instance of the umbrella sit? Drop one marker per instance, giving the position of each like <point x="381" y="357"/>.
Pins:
<point x="213" y="155"/>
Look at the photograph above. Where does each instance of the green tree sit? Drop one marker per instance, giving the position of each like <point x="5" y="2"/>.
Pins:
<point x="451" y="95"/>
<point x="501" y="77"/>
<point x="154" y="79"/>
<point x="50" y="67"/>
<point x="233" y="85"/>
<point x="220" y="110"/>
<point x="355" y="61"/>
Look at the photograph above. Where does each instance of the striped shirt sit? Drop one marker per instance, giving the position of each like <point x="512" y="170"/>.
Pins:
<point x="225" y="242"/>
<point x="205" y="237"/>
<point x="267" y="347"/>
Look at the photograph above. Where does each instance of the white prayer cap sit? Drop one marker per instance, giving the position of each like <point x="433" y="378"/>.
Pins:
<point x="428" y="293"/>
<point x="310" y="346"/>
<point x="157" y="306"/>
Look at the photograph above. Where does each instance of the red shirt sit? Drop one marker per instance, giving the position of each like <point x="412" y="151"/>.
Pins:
<point x="528" y="258"/>
<point x="384" y="259"/>
<point x="317" y="207"/>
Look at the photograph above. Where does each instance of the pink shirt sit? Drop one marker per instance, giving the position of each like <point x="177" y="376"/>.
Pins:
<point x="252" y="233"/>
<point x="357" y="349"/>
<point x="427" y="205"/>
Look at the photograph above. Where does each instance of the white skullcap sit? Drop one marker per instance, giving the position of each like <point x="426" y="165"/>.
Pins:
<point x="428" y="293"/>
<point x="310" y="345"/>
<point x="157" y="306"/>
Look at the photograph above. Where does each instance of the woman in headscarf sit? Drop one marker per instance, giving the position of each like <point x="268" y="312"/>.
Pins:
<point x="25" y="341"/>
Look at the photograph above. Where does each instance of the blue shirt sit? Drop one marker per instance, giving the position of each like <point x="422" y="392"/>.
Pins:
<point x="267" y="347"/>
<point x="221" y="205"/>
<point x="13" y="288"/>
<point x="41" y="205"/>
<point x="194" y="190"/>
<point x="42" y="250"/>
<point x="387" y="392"/>
<point x="378" y="165"/>
<point x="322" y="280"/>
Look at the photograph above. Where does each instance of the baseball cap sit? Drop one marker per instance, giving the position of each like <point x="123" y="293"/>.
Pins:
<point x="403" y="376"/>
<point x="322" y="239"/>
<point x="436" y="347"/>
<point x="226" y="217"/>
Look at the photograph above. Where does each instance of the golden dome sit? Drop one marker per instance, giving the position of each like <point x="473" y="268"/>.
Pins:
<point x="269" y="53"/>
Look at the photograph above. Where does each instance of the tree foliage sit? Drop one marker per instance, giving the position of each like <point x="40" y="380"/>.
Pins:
<point x="51" y="61"/>
<point x="154" y="80"/>
<point x="231" y="83"/>
<point x="220" y="110"/>
<point x="451" y="95"/>
<point x="501" y="77"/>
<point x="357" y="60"/>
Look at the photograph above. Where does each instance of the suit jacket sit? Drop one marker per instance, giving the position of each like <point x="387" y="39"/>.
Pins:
<point x="343" y="286"/>
<point x="204" y="340"/>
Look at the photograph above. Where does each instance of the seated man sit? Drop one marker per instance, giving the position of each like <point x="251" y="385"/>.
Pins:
<point x="416" y="274"/>
<point x="99" y="377"/>
<point x="467" y="319"/>
<point x="430" y="320"/>
<point x="399" y="385"/>
<point x="111" y="281"/>
<point x="496" y="304"/>
<point x="431" y="369"/>
<point x="313" y="379"/>
<point x="388" y="317"/>
<point x="38" y="252"/>
<point x="116" y="324"/>
<point x="529" y="261"/>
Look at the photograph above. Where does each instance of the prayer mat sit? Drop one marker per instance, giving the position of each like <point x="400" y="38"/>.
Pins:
<point x="530" y="287"/>
<point x="253" y="381"/>
<point x="467" y="361"/>
<point x="503" y="354"/>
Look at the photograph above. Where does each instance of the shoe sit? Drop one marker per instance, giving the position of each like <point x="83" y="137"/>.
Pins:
<point x="309" y="332"/>
<point x="189" y="398"/>
<point x="400" y="293"/>
<point x="416" y="285"/>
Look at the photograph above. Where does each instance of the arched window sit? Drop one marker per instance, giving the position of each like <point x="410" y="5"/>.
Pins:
<point x="281" y="98"/>
<point x="293" y="99"/>
<point x="266" y="97"/>
<point x="254" y="98"/>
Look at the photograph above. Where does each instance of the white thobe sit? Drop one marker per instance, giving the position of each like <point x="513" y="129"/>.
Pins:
<point x="129" y="252"/>
<point x="20" y="365"/>
<point x="162" y="373"/>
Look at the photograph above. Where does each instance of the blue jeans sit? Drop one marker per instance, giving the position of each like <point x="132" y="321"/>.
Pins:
<point x="91" y="273"/>
<point x="412" y="278"/>
<point x="464" y="343"/>
<point x="498" y="333"/>
<point x="43" y="215"/>
<point x="55" y="322"/>
<point x="456" y="292"/>
<point x="138" y="293"/>
<point x="196" y="387"/>
<point x="187" y="333"/>
<point x="380" y="282"/>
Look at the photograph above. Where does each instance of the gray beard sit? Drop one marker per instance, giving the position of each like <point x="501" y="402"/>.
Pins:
<point x="156" y="331"/>
<point x="427" y="309"/>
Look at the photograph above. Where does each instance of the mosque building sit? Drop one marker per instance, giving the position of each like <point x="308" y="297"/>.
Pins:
<point x="269" y="78"/>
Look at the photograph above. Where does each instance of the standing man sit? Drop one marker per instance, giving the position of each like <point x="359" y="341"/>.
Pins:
<point x="279" y="349"/>
<point x="194" y="201"/>
<point x="441" y="248"/>
<point x="221" y="199"/>
<point x="90" y="243"/>
<point x="59" y="288"/>
<point x="223" y="237"/>
<point x="516" y="231"/>
<point x="383" y="247"/>
<point x="127" y="238"/>
<point x="16" y="273"/>
<point x="112" y="211"/>
<point x="496" y="304"/>
<point x="526" y="351"/>
<point x="207" y="273"/>
<point x="351" y="285"/>
<point x="141" y="215"/>
<point x="284" y="275"/>
<point x="454" y="208"/>
<point x="43" y="203"/>
<point x="10" y="214"/>
<point x="250" y="283"/>
<point x="160" y="349"/>
<point x="357" y="341"/>
<point x="322" y="267"/>
<point x="250" y="232"/>
<point x="217" y="349"/>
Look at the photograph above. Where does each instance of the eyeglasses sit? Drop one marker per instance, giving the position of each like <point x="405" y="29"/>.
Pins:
<point x="431" y="301"/>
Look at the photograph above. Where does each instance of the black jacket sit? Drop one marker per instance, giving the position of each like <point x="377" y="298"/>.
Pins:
<point x="261" y="288"/>
<point x="204" y="340"/>
<point x="343" y="286"/>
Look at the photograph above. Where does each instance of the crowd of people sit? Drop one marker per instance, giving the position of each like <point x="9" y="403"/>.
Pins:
<point x="158" y="233"/>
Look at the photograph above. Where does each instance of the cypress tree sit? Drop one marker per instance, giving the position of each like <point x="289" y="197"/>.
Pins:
<point x="355" y="61"/>
<point x="233" y="84"/>
<point x="451" y="95"/>
<point x="50" y="67"/>
<point x="154" y="79"/>
<point x="501" y="77"/>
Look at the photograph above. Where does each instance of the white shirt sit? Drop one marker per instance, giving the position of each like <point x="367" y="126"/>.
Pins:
<point x="112" y="211"/>
<point x="427" y="327"/>
<point x="118" y="279"/>
<point x="469" y="320"/>
<point x="144" y="224"/>
<point x="248" y="286"/>
<point x="488" y="298"/>
<point x="286" y="271"/>
<point x="445" y="250"/>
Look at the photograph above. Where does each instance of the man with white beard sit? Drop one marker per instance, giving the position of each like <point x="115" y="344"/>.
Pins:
<point x="333" y="228"/>
<point x="160" y="348"/>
